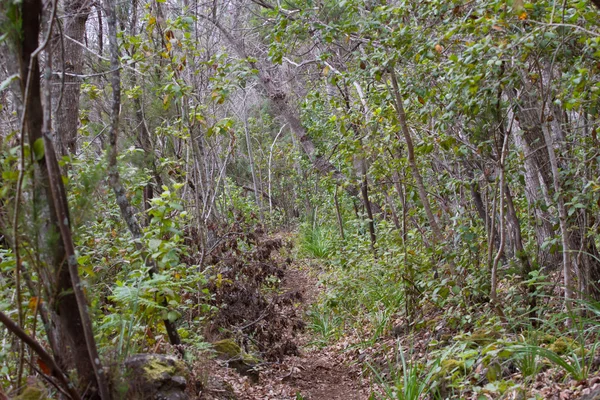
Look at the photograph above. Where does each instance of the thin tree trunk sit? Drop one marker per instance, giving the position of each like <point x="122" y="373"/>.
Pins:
<point x="67" y="114"/>
<point x="393" y="211"/>
<point x="437" y="234"/>
<point x="51" y="244"/>
<point x="62" y="211"/>
<point x="518" y="238"/>
<point x="493" y="231"/>
<point x="338" y="213"/>
<point x="54" y="368"/>
<point x="280" y="102"/>
<point x="364" y="188"/>
<point x="127" y="211"/>
<point x="537" y="174"/>
<point x="494" y="279"/>
<point x="480" y="206"/>
<point x="562" y="220"/>
<point x="251" y="160"/>
<point x="270" y="160"/>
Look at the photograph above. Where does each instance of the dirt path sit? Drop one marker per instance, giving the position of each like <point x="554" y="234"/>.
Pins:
<point x="316" y="373"/>
<point x="320" y="374"/>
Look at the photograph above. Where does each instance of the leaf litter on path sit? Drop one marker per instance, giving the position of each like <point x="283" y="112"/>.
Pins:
<point x="328" y="373"/>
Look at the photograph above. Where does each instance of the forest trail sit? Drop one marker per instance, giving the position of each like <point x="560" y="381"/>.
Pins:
<point x="317" y="373"/>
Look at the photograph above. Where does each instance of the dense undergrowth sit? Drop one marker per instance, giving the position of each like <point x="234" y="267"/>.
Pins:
<point x="423" y="335"/>
<point x="420" y="316"/>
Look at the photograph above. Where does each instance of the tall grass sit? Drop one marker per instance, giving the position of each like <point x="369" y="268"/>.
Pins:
<point x="409" y="380"/>
<point x="316" y="242"/>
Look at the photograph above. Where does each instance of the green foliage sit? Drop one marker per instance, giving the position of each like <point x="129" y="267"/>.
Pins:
<point x="409" y="380"/>
<point x="316" y="241"/>
<point x="465" y="71"/>
<point x="326" y="324"/>
<point x="571" y="364"/>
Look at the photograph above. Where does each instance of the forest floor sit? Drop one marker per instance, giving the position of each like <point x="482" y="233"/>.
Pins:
<point x="316" y="373"/>
<point x="341" y="369"/>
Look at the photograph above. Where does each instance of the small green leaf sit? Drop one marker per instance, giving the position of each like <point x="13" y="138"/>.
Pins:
<point x="172" y="316"/>
<point x="5" y="83"/>
<point x="38" y="149"/>
<point x="154" y="243"/>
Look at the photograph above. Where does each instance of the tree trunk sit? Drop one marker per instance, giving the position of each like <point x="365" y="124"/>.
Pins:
<point x="364" y="189"/>
<point x="127" y="211"/>
<point x="480" y="206"/>
<point x="437" y="234"/>
<point x="538" y="179"/>
<point x="251" y="160"/>
<point x="562" y="219"/>
<point x="67" y="112"/>
<point x="51" y="244"/>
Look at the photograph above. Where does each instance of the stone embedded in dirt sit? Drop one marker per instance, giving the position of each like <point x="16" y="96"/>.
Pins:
<point x="400" y="330"/>
<point x="229" y="351"/>
<point x="155" y="377"/>
<point x="595" y="395"/>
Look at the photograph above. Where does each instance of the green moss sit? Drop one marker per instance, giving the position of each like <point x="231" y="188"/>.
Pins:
<point x="483" y="337"/>
<point x="32" y="393"/>
<point x="548" y="339"/>
<point x="228" y="348"/>
<point x="237" y="358"/>
<point x="560" y="346"/>
<point x="155" y="369"/>
<point x="452" y="366"/>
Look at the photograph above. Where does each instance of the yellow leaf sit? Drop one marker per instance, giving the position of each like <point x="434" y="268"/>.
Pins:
<point x="326" y="70"/>
<point x="34" y="303"/>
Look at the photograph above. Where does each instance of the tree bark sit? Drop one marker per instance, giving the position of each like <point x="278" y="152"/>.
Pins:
<point x="364" y="189"/>
<point x="562" y="219"/>
<point x="437" y="234"/>
<point x="50" y="241"/>
<point x="127" y="211"/>
<point x="48" y="360"/>
<point x="67" y="113"/>
<point x="536" y="167"/>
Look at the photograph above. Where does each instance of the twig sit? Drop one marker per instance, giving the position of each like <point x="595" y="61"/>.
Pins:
<point x="44" y="356"/>
<point x="270" y="158"/>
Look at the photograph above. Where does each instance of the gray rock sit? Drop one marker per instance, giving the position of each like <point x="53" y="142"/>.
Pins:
<point x="595" y="395"/>
<point x="155" y="377"/>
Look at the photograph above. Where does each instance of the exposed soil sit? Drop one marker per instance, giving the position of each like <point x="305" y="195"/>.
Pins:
<point x="329" y="373"/>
